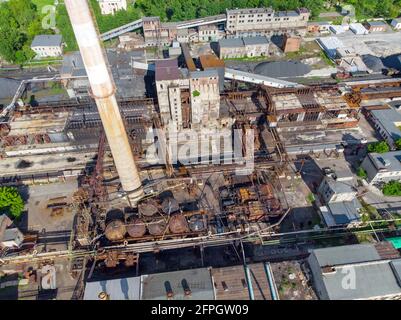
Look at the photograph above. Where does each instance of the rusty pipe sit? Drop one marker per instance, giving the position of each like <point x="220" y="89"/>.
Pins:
<point x="103" y="91"/>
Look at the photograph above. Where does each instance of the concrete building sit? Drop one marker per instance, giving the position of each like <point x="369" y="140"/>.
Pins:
<point x="210" y="61"/>
<point x="173" y="95"/>
<point x="205" y="98"/>
<point x="131" y="41"/>
<point x="243" y="47"/>
<point x="112" y="6"/>
<point x="47" y="46"/>
<point x="256" y="46"/>
<point x="183" y="35"/>
<point x="356" y="272"/>
<point x="157" y="33"/>
<point x="322" y="27"/>
<point x="209" y="33"/>
<point x="396" y="23"/>
<point x="187" y="99"/>
<point x="382" y="167"/>
<point x="376" y="26"/>
<point x="231" y="48"/>
<point x="265" y="21"/>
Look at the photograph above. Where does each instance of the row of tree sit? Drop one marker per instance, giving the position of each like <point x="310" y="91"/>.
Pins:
<point x="19" y="23"/>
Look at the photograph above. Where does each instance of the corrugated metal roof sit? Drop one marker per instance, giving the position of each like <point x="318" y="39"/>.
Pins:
<point x="231" y="43"/>
<point x="204" y="74"/>
<point x="255" y="40"/>
<point x="346" y="254"/>
<point x="199" y="282"/>
<point x="117" y="289"/>
<point x="167" y="70"/>
<point x="211" y="61"/>
<point x="52" y="40"/>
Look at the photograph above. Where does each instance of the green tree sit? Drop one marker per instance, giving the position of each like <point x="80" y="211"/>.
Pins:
<point x="398" y="144"/>
<point x="11" y="201"/>
<point x="379" y="147"/>
<point x="361" y="173"/>
<point x="392" y="188"/>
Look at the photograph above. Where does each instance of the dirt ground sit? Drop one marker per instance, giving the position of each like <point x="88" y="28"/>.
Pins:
<point x="291" y="281"/>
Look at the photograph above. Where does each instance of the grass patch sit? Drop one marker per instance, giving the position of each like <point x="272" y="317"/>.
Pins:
<point x="326" y="59"/>
<point x="41" y="3"/>
<point x="248" y="59"/>
<point x="310" y="198"/>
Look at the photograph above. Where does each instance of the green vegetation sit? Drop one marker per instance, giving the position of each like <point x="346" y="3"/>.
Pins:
<point x="42" y="3"/>
<point x="310" y="198"/>
<point x="398" y="144"/>
<point x="361" y="172"/>
<point x="196" y="93"/>
<point x="11" y="201"/>
<point x="392" y="188"/>
<point x="369" y="212"/>
<point x="379" y="147"/>
<point x="19" y="23"/>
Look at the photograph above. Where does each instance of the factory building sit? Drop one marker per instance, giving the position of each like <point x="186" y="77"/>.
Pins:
<point x="243" y="47"/>
<point x="187" y="99"/>
<point x="309" y="108"/>
<point x="376" y="270"/>
<point x="265" y="21"/>
<point x="157" y="33"/>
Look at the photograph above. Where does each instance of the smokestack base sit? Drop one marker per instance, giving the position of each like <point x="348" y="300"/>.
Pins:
<point x="135" y="196"/>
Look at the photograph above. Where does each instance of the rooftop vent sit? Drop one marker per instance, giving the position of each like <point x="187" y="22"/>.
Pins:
<point x="169" y="290"/>
<point x="185" y="285"/>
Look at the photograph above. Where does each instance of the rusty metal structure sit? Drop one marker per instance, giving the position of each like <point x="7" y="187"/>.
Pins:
<point x="103" y="91"/>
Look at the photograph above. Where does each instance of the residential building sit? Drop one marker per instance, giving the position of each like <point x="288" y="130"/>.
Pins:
<point x="376" y="26"/>
<point x="9" y="237"/>
<point x="319" y="27"/>
<point x="356" y="272"/>
<point x="112" y="6"/>
<point x="183" y="35"/>
<point x="342" y="208"/>
<point x="131" y="41"/>
<point x="333" y="190"/>
<point x="387" y="122"/>
<point x="382" y="167"/>
<point x="396" y="23"/>
<point x="265" y="21"/>
<point x="47" y="45"/>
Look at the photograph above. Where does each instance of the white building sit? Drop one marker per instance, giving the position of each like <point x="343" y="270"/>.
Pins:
<point x="112" y="6"/>
<point x="47" y="46"/>
<point x="9" y="237"/>
<point x="382" y="167"/>
<point x="396" y="23"/>
<point x="358" y="28"/>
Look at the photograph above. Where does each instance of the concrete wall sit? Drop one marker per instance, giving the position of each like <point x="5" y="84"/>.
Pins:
<point x="53" y="51"/>
<point x="111" y="6"/>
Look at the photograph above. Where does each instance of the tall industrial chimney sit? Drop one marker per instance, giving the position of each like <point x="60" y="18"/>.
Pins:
<point x="103" y="91"/>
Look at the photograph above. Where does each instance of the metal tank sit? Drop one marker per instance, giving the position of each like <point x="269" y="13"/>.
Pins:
<point x="178" y="224"/>
<point x="170" y="205"/>
<point x="196" y="223"/>
<point x="136" y="228"/>
<point x="148" y="208"/>
<point x="115" y="230"/>
<point x="157" y="227"/>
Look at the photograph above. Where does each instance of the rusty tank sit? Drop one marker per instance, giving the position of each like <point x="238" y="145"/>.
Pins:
<point x="115" y="230"/>
<point x="148" y="208"/>
<point x="157" y="227"/>
<point x="178" y="224"/>
<point x="136" y="228"/>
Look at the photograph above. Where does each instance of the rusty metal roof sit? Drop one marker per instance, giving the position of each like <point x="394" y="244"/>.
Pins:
<point x="167" y="70"/>
<point x="211" y="61"/>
